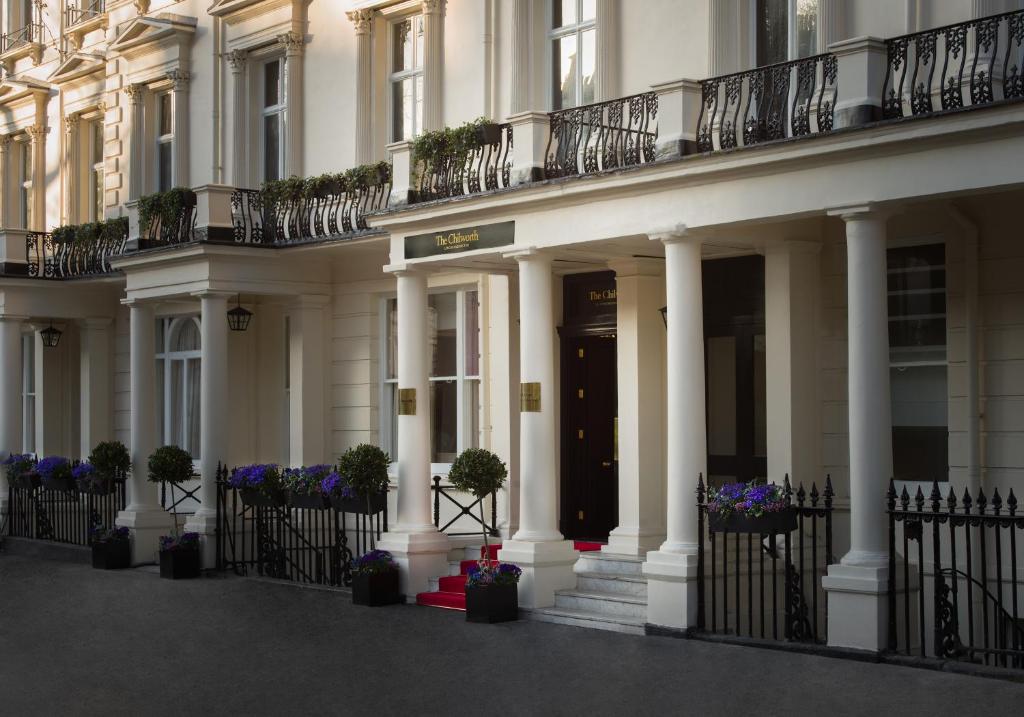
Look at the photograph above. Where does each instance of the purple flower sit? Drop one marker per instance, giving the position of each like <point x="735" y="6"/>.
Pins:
<point x="82" y="470"/>
<point x="186" y="541"/>
<point x="751" y="499"/>
<point x="53" y="467"/>
<point x="489" y="572"/>
<point x="374" y="562"/>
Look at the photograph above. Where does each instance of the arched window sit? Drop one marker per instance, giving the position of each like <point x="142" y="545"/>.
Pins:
<point x="178" y="371"/>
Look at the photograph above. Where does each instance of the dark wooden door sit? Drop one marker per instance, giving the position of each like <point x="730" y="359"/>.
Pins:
<point x="589" y="450"/>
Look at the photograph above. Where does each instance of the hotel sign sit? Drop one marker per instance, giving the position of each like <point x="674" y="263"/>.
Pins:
<point x="455" y="241"/>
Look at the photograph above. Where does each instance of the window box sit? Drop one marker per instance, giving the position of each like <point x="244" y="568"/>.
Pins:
<point x="253" y="497"/>
<point x="492" y="603"/>
<point x="783" y="521"/>
<point x="179" y="564"/>
<point x="112" y="555"/>
<point x="97" y="486"/>
<point x="314" y="501"/>
<point x="377" y="503"/>
<point x="376" y="590"/>
<point x="26" y="481"/>
<point x="60" y="484"/>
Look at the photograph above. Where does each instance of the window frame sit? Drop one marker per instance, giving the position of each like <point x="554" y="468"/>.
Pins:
<point x="395" y="77"/>
<point x="280" y="110"/>
<point x="161" y="139"/>
<point x="792" y="40"/>
<point x="553" y="35"/>
<point x="165" y="355"/>
<point x="95" y="169"/>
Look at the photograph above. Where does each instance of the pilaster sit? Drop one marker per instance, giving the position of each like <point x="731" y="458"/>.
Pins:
<point x="608" y="52"/>
<point x="136" y="148"/>
<point x="362" y="21"/>
<point x="72" y="166"/>
<point x="179" y="89"/>
<point x="306" y="351"/>
<point x="10" y="395"/>
<point x="37" y="135"/>
<point x="293" y="43"/>
<point x="239" y="61"/>
<point x="95" y="374"/>
<point x="433" y="64"/>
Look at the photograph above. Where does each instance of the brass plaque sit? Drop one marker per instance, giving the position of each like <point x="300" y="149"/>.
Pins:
<point x="407" y="402"/>
<point x="579" y="392"/>
<point x="529" y="397"/>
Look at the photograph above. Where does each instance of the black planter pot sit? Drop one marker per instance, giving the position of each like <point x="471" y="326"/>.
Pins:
<point x="308" y="501"/>
<point x="28" y="481"/>
<point x="179" y="564"/>
<point x="97" y="486"/>
<point x="112" y="555"/>
<point x="376" y="590"/>
<point x="489" y="133"/>
<point x="377" y="503"/>
<point x="783" y="521"/>
<point x="61" y="484"/>
<point x="492" y="603"/>
<point x="251" y="496"/>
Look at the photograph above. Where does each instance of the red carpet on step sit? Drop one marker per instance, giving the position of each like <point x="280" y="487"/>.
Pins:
<point x="451" y="589"/>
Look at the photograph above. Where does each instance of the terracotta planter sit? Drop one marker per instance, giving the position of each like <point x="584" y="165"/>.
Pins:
<point x="492" y="603"/>
<point x="783" y="521"/>
<point x="376" y="590"/>
<point x="377" y="503"/>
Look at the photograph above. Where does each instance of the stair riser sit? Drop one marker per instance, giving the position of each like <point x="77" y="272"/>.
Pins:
<point x="589" y="624"/>
<point x="598" y="606"/>
<point x="618" y="587"/>
<point x="611" y="567"/>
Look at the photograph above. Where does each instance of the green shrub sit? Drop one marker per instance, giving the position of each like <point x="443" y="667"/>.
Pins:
<point x="164" y="206"/>
<point x="110" y="459"/>
<point x="480" y="472"/>
<point x="365" y="468"/>
<point x="170" y="464"/>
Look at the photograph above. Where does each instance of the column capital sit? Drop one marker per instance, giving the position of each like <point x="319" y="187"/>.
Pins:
<point x="180" y="79"/>
<point x="37" y="132"/>
<point x="237" y="60"/>
<point x="866" y="210"/>
<point x="135" y="92"/>
<point x="292" y="42"/>
<point x="636" y="266"/>
<point x="213" y="294"/>
<point x="406" y="269"/>
<point x="362" y="20"/>
<point x="142" y="6"/>
<point x="433" y="7"/>
<point x="673" y="234"/>
<point x="138" y="303"/>
<point x="5" y="142"/>
<point x="71" y="122"/>
<point x="529" y="253"/>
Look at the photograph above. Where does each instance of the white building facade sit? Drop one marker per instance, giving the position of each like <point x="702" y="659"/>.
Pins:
<point x="713" y="240"/>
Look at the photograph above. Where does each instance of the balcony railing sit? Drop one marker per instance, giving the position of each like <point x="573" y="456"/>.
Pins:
<point x="606" y="135"/>
<point x="789" y="99"/>
<point x="483" y="168"/>
<point x="971" y="63"/>
<point x="50" y="258"/>
<point x="83" y="12"/>
<point x="166" y="226"/>
<point x="32" y="33"/>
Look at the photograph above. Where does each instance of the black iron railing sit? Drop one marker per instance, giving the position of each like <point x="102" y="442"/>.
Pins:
<point x="330" y="214"/>
<point x="971" y="63"/>
<point x="84" y="11"/>
<point x="766" y="585"/>
<point x="50" y="259"/>
<point x="297" y="544"/>
<point x="789" y="99"/>
<point x="963" y="558"/>
<point x="486" y="167"/>
<point x="602" y="136"/>
<point x="473" y="511"/>
<point x="168" y="230"/>
<point x="29" y="34"/>
<point x="62" y="516"/>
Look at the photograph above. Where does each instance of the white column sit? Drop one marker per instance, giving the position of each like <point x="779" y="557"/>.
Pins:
<point x="213" y="413"/>
<point x="723" y="38"/>
<point x="831" y="27"/>
<point x="420" y="550"/>
<point x="136" y="145"/>
<point x="362" y="20"/>
<point x="672" y="569"/>
<point x="293" y="44"/>
<point x="858" y="608"/>
<point x="72" y="125"/>
<point x="96" y="424"/>
<point x="521" y="42"/>
<point x="608" y="55"/>
<point x="10" y="395"/>
<point x="5" y="189"/>
<point x="238" y="59"/>
<point x="37" y="135"/>
<point x="306" y="380"/>
<point x="433" y="64"/>
<point x="143" y="514"/>
<point x="545" y="557"/>
<point x="179" y="89"/>
<point x="640" y="357"/>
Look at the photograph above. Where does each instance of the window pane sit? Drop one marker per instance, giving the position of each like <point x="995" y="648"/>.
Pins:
<point x="565" y="13"/>
<point x="176" y="435"/>
<point x="443" y="421"/>
<point x="166" y="116"/>
<point x="417" y="126"/>
<point x="272" y="147"/>
<point x="26" y="206"/>
<point x="721" y="353"/>
<point x="29" y="364"/>
<point x="806" y="27"/>
<point x="402" y="108"/>
<point x="920" y="433"/>
<point x="159" y="335"/>
<point x="588" y="10"/>
<point x="471" y="339"/>
<point x="164" y="180"/>
<point x="402" y="50"/>
<point x="26" y="161"/>
<point x="97" y="142"/>
<point x="441" y="330"/>
<point x="565" y="72"/>
<point x="271" y="83"/>
<point x="194" y="412"/>
<point x="772" y="31"/>
<point x="588" y="60"/>
<point x="472" y="417"/>
<point x="418" y="41"/>
<point x="186" y="337"/>
<point x="391" y="406"/>
<point x="159" y="402"/>
<point x="392" y="329"/>
<point x="30" y="425"/>
<point x="97" y="194"/>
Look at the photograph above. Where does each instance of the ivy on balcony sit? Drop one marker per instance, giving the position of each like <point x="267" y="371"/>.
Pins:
<point x="76" y="250"/>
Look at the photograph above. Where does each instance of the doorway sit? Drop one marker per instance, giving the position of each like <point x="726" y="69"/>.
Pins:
<point x="735" y="370"/>
<point x="589" y="400"/>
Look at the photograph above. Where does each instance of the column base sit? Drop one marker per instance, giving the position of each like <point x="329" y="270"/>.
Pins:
<point x="547" y="567"/>
<point x="204" y="522"/>
<point x="858" y="605"/>
<point x="420" y="557"/>
<point x="632" y="541"/>
<point x="147" y="524"/>
<point x="671" y="588"/>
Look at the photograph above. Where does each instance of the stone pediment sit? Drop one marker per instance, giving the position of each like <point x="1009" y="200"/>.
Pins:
<point x="238" y="10"/>
<point x="11" y="91"/>
<point x="148" y="34"/>
<point x="78" y="64"/>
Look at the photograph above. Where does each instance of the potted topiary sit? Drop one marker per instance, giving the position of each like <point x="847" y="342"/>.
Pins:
<point x="111" y="460"/>
<point x="179" y="556"/>
<point x="492" y="593"/>
<point x="375" y="579"/>
<point x="55" y="472"/>
<point x="258" y="484"/>
<point x="111" y="548"/>
<point x="364" y="469"/>
<point x="750" y="508"/>
<point x="303" y="486"/>
<point x="21" y="471"/>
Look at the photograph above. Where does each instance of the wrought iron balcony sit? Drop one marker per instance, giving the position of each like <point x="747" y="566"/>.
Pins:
<point x="982" y="61"/>
<point x="605" y="135"/>
<point x="458" y="172"/>
<point x="48" y="256"/>
<point x="83" y="12"/>
<point x="170" y="219"/>
<point x="31" y="34"/>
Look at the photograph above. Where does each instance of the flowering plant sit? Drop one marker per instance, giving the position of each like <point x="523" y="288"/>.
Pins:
<point x="334" y="484"/>
<point x="263" y="477"/>
<point x="488" y="572"/>
<point x="749" y="499"/>
<point x="19" y="464"/>
<point x="186" y="541"/>
<point x="109" y="535"/>
<point x="375" y="562"/>
<point x="307" y="480"/>
<point x="53" y="468"/>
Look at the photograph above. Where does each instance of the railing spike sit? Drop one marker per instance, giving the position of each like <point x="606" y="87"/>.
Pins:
<point x="951" y="500"/>
<point x="814" y="494"/>
<point x="904" y="499"/>
<point x="1011" y="502"/>
<point x="919" y="499"/>
<point x="981" y="501"/>
<point x="997" y="502"/>
<point x="700" y="487"/>
<point x="966" y="501"/>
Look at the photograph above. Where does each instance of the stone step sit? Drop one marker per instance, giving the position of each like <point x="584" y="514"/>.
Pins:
<point x="609" y="564"/>
<point x="45" y="550"/>
<point x="602" y="603"/>
<point x="593" y="621"/>
<point x="630" y="585"/>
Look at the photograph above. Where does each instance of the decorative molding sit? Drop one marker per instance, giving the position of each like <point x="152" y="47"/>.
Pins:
<point x="237" y="59"/>
<point x="141" y="6"/>
<point x="362" y="20"/>
<point x="292" y="42"/>
<point x="37" y="132"/>
<point x="5" y="142"/>
<point x="433" y="7"/>
<point x="71" y="122"/>
<point x="135" y="92"/>
<point x="179" y="79"/>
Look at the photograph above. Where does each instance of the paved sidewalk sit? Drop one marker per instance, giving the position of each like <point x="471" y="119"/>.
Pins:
<point x="74" y="641"/>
